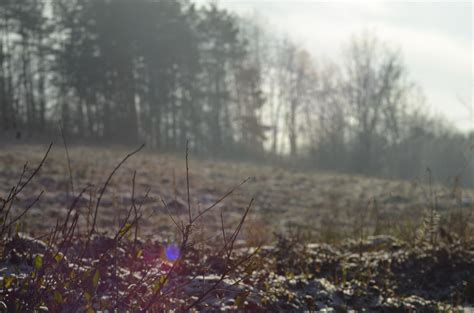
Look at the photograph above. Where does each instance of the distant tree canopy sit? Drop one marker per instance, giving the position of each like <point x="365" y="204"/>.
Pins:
<point x="164" y="72"/>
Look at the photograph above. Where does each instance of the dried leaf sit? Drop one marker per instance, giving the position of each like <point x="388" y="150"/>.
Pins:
<point x="7" y="281"/>
<point x="38" y="262"/>
<point x="139" y="253"/>
<point x="159" y="284"/>
<point x="58" y="297"/>
<point x="240" y="299"/>
<point x="58" y="257"/>
<point x="96" y="278"/>
<point x="125" y="229"/>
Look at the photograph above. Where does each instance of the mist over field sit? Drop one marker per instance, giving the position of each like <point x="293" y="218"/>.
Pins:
<point x="178" y="155"/>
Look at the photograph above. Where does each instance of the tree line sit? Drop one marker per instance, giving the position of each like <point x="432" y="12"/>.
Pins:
<point x="164" y="72"/>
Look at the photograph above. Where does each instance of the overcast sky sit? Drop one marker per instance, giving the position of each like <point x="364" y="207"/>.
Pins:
<point x="434" y="37"/>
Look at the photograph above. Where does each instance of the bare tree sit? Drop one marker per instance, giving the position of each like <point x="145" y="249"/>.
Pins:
<point x="326" y="118"/>
<point x="295" y="75"/>
<point x="375" y="89"/>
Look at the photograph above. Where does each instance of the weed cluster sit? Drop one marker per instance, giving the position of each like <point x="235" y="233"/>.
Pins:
<point x="90" y="271"/>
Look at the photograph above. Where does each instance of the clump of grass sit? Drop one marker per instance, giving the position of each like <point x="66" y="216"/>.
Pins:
<point x="454" y="225"/>
<point x="89" y="271"/>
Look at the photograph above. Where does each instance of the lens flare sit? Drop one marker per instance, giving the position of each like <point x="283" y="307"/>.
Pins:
<point x="172" y="253"/>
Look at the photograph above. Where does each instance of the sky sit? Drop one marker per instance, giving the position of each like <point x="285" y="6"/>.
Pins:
<point x="435" y="39"/>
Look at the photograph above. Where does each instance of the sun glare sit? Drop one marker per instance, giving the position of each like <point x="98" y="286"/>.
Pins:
<point x="172" y="253"/>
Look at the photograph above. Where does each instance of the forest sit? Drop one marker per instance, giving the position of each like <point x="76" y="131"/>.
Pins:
<point x="164" y="72"/>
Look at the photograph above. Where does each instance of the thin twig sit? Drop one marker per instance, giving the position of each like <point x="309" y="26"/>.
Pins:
<point x="187" y="182"/>
<point x="71" y="181"/>
<point x="228" y="193"/>
<point x="106" y="184"/>
<point x="36" y="170"/>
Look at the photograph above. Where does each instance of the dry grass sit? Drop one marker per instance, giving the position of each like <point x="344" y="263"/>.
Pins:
<point x="153" y="232"/>
<point x="87" y="270"/>
<point x="327" y="206"/>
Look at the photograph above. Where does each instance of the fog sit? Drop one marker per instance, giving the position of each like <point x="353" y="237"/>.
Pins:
<point x="426" y="32"/>
<point x="236" y="156"/>
<point x="246" y="86"/>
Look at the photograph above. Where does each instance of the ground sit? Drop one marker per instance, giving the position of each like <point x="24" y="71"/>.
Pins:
<point x="393" y="244"/>
<point x="326" y="206"/>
